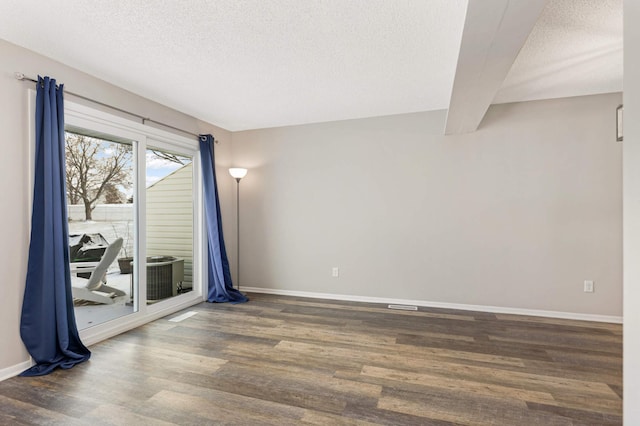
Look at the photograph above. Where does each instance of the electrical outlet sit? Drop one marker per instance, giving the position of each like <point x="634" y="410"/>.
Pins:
<point x="588" y="286"/>
<point x="335" y="272"/>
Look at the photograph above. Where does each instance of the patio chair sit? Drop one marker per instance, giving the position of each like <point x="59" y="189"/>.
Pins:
<point x="95" y="288"/>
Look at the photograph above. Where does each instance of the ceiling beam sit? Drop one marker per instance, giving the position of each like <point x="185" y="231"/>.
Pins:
<point x="494" y="32"/>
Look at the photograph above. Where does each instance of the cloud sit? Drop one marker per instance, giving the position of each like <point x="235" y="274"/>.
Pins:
<point x="152" y="179"/>
<point x="155" y="162"/>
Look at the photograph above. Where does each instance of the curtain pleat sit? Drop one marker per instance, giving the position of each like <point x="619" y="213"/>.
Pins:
<point x="48" y="326"/>
<point x="220" y="284"/>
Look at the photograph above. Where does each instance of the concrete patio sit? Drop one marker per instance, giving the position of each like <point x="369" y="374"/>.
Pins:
<point x="89" y="314"/>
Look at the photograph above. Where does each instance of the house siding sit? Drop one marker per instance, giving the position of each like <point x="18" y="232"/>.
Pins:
<point x="170" y="218"/>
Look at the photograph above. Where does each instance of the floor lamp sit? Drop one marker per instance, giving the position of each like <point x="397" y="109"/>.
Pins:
<point x="238" y="173"/>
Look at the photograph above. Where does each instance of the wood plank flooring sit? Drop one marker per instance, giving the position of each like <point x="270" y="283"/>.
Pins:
<point x="289" y="361"/>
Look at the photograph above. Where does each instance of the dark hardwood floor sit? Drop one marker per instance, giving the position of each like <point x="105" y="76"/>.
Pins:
<point x="284" y="360"/>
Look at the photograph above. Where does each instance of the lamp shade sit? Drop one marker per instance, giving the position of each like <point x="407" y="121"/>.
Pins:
<point x="238" y="172"/>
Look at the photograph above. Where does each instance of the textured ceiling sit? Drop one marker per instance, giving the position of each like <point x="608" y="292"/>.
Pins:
<point x="265" y="63"/>
<point x="574" y="49"/>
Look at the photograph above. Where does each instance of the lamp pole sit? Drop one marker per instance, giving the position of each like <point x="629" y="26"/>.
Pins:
<point x="238" y="173"/>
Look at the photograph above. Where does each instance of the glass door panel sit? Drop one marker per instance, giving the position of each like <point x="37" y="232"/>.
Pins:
<point x="100" y="199"/>
<point x="169" y="224"/>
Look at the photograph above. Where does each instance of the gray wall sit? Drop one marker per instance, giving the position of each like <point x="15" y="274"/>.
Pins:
<point x="14" y="173"/>
<point x="631" y="212"/>
<point x="517" y="214"/>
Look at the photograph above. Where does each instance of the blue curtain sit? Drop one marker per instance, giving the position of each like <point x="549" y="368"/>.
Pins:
<point x="48" y="325"/>
<point x="220" y="285"/>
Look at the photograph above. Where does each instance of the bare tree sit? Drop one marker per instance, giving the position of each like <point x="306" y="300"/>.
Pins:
<point x="112" y="195"/>
<point x="72" y="191"/>
<point x="169" y="157"/>
<point x="94" y="165"/>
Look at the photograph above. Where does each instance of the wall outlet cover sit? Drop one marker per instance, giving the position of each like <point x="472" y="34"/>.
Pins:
<point x="588" y="286"/>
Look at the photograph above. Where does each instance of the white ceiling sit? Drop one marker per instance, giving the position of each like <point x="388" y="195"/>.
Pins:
<point x="265" y="63"/>
<point x="574" y="49"/>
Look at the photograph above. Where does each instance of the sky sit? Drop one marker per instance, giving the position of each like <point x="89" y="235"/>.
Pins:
<point x="157" y="167"/>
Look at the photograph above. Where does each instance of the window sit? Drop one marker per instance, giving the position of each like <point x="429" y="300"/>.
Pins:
<point x="100" y="170"/>
<point x="135" y="182"/>
<point x="169" y="186"/>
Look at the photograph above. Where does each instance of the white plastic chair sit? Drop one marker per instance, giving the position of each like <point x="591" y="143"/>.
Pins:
<point x="95" y="288"/>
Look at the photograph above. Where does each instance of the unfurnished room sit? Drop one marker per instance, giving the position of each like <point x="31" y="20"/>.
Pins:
<point x="326" y="212"/>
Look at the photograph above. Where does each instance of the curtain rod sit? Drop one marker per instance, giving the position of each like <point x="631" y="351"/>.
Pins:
<point x="21" y="76"/>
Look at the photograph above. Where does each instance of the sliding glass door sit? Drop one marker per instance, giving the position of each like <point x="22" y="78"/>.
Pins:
<point x="100" y="171"/>
<point x="137" y="188"/>
<point x="169" y="223"/>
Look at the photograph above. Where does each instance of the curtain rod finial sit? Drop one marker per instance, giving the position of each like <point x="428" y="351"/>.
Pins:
<point x="18" y="75"/>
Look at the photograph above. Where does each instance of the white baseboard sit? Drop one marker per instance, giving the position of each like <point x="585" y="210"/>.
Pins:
<point x="14" y="370"/>
<point x="444" y="305"/>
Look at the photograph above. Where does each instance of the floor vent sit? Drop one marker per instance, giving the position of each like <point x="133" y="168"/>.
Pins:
<point x="183" y="316"/>
<point x="404" y="307"/>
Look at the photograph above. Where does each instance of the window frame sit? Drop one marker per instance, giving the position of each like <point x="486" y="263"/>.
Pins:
<point x="88" y="117"/>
